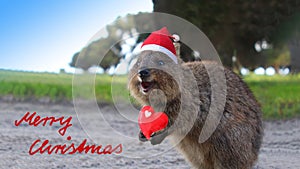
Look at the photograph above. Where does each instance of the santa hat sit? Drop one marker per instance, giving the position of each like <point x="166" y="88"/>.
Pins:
<point x="161" y="41"/>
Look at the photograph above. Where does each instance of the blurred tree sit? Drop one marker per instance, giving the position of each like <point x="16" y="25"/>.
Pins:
<point x="74" y="58"/>
<point x="290" y="32"/>
<point x="106" y="52"/>
<point x="83" y="64"/>
<point x="236" y="25"/>
<point x="110" y="59"/>
<point x="277" y="57"/>
<point x="294" y="47"/>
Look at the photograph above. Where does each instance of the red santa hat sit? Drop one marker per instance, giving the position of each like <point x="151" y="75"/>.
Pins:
<point x="161" y="41"/>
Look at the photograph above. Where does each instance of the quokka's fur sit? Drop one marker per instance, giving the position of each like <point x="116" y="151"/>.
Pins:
<point x="187" y="99"/>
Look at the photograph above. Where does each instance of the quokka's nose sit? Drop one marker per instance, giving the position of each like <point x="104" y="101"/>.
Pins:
<point x="143" y="73"/>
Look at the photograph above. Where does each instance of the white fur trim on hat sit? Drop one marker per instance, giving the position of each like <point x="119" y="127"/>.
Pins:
<point x="160" y="49"/>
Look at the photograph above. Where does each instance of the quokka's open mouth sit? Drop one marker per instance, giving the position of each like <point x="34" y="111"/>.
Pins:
<point x="146" y="86"/>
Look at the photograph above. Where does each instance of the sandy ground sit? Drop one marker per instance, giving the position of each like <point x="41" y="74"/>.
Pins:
<point x="280" y="150"/>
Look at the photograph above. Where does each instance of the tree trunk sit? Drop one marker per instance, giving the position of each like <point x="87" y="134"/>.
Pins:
<point x="294" y="47"/>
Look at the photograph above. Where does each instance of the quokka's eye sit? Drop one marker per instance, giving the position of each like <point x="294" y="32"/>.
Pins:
<point x="161" y="62"/>
<point x="137" y="63"/>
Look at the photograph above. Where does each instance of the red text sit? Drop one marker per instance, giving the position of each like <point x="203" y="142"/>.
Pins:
<point x="44" y="147"/>
<point x="34" y="120"/>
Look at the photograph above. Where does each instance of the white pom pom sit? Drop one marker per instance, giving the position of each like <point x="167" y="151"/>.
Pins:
<point x="176" y="37"/>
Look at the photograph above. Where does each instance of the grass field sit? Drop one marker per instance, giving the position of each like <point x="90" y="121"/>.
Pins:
<point x="58" y="87"/>
<point x="278" y="95"/>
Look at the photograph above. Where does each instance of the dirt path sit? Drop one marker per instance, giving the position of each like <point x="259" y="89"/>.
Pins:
<point x="281" y="147"/>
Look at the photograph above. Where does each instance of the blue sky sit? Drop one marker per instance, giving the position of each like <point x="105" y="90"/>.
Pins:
<point x="43" y="35"/>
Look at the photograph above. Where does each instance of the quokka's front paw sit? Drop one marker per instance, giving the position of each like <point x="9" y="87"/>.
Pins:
<point x="158" y="137"/>
<point x="142" y="137"/>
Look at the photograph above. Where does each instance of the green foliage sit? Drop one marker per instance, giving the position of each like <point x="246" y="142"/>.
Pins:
<point x="105" y="51"/>
<point x="235" y="25"/>
<point x="110" y="59"/>
<point x="101" y="53"/>
<point x="277" y="57"/>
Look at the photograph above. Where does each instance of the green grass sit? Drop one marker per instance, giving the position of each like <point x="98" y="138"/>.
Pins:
<point x="278" y="95"/>
<point x="58" y="87"/>
<point x="26" y="85"/>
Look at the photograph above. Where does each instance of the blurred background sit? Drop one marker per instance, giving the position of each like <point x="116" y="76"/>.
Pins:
<point x="44" y="42"/>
